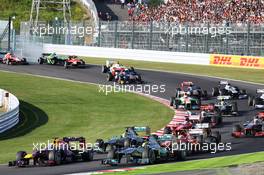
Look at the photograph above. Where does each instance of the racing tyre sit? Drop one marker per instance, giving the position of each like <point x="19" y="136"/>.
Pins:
<point x="104" y="68"/>
<point x="100" y="144"/>
<point x="149" y="154"/>
<point x="167" y="130"/>
<point x="234" y="107"/>
<point x="111" y="154"/>
<point x="215" y="92"/>
<point x="199" y="139"/>
<point x="205" y="94"/>
<point x="237" y="128"/>
<point x="109" y="77"/>
<point x="243" y="91"/>
<point x="55" y="156"/>
<point x="250" y="101"/>
<point x="40" y="60"/>
<point x="181" y="155"/>
<point x="20" y="155"/>
<point x="127" y="143"/>
<point x="171" y="101"/>
<point x="66" y="65"/>
<point x="217" y="135"/>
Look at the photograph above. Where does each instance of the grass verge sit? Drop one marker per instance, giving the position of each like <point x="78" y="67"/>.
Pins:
<point x="219" y="162"/>
<point x="251" y="75"/>
<point x="56" y="108"/>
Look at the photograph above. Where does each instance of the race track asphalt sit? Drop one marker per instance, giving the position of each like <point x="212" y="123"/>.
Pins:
<point x="171" y="80"/>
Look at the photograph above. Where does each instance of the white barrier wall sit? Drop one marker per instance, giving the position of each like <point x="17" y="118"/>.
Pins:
<point x="11" y="117"/>
<point x="132" y="54"/>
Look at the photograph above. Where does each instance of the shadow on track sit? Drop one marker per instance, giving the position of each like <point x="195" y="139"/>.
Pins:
<point x="30" y="118"/>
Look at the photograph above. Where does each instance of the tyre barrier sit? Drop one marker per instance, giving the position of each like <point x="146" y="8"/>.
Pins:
<point x="10" y="117"/>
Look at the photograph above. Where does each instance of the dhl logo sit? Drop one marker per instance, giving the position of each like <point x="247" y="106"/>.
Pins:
<point x="249" y="62"/>
<point x="222" y="60"/>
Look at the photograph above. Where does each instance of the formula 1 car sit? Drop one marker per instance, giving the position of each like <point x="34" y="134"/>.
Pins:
<point x="73" y="61"/>
<point x="61" y="151"/>
<point x="2" y="55"/>
<point x="258" y="100"/>
<point x="52" y="59"/>
<point x="11" y="59"/>
<point x="225" y="107"/>
<point x="192" y="90"/>
<point x="185" y="102"/>
<point x="120" y="73"/>
<point x="202" y="135"/>
<point x="127" y="76"/>
<point x="197" y="136"/>
<point x="254" y="128"/>
<point x="150" y="152"/>
<point x="128" y="138"/>
<point x="225" y="89"/>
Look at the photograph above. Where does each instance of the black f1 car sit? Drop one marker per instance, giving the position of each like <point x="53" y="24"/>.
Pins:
<point x="225" y="89"/>
<point x="57" y="153"/>
<point x="258" y="100"/>
<point x="192" y="90"/>
<point x="120" y="74"/>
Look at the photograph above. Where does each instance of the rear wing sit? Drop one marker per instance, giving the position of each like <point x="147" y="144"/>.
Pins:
<point x="226" y="97"/>
<point x="194" y="117"/>
<point x="202" y="125"/>
<point x="166" y="137"/>
<point x="109" y="63"/>
<point x="145" y="129"/>
<point x="196" y="131"/>
<point x="223" y="82"/>
<point x="74" y="139"/>
<point x="187" y="83"/>
<point x="260" y="91"/>
<point x="46" y="54"/>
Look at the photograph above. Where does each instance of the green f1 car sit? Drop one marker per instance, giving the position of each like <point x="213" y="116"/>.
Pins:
<point x="52" y="59"/>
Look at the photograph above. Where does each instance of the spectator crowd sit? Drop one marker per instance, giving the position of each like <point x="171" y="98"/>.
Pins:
<point x="213" y="11"/>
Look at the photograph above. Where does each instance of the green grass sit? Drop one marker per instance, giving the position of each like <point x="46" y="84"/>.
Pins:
<point x="252" y="75"/>
<point x="219" y="162"/>
<point x="55" y="108"/>
<point x="22" y="8"/>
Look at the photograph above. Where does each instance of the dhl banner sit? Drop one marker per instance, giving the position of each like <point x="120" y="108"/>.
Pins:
<point x="237" y="61"/>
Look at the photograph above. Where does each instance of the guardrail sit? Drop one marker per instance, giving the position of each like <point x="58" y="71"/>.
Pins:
<point x="158" y="56"/>
<point x="132" y="54"/>
<point x="11" y="117"/>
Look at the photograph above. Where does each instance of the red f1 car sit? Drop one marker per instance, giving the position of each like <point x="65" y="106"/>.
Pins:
<point x="254" y="128"/>
<point x="74" y="61"/>
<point x="11" y="59"/>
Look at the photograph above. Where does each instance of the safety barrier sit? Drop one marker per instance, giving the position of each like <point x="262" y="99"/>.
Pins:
<point x="9" y="118"/>
<point x="132" y="54"/>
<point x="237" y="61"/>
<point x="158" y="56"/>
